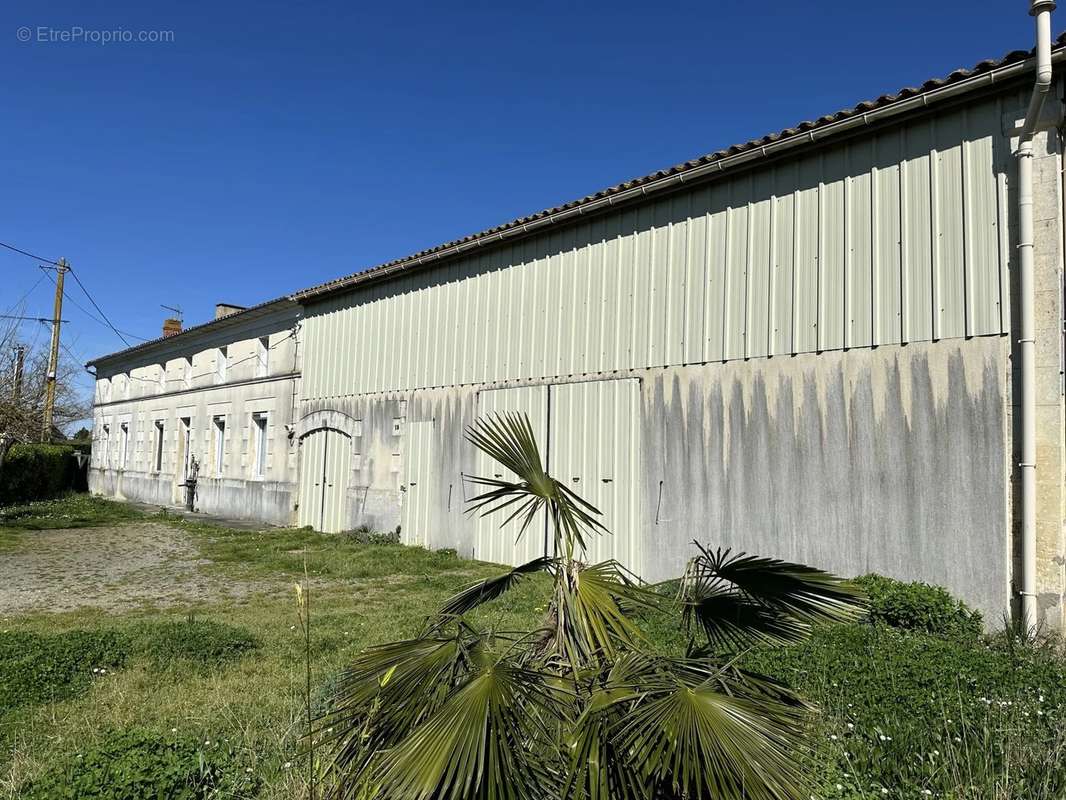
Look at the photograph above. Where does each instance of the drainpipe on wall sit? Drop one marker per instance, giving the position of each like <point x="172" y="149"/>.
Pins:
<point x="1041" y="11"/>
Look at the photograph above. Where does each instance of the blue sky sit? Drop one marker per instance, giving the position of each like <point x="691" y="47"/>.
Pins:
<point x="274" y="145"/>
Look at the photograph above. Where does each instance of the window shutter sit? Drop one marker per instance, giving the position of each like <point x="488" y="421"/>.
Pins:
<point x="269" y="444"/>
<point x="226" y="445"/>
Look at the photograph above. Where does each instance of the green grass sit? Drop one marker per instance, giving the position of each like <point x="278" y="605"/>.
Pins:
<point x="359" y="594"/>
<point x="70" y="511"/>
<point x="921" y="715"/>
<point x="964" y="719"/>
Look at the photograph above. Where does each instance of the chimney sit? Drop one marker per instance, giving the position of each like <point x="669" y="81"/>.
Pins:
<point x="171" y="326"/>
<point x="225" y="309"/>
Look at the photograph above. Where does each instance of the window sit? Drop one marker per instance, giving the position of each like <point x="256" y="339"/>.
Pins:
<point x="105" y="458"/>
<point x="186" y="446"/>
<point x="163" y="377"/>
<point x="259" y="430"/>
<point x="157" y="461"/>
<point x="220" y="444"/>
<point x="262" y="364"/>
<point x="124" y="443"/>
<point x="221" y="363"/>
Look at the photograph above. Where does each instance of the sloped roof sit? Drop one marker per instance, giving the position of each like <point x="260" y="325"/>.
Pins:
<point x="244" y="315"/>
<point x="991" y="68"/>
<point x="986" y="67"/>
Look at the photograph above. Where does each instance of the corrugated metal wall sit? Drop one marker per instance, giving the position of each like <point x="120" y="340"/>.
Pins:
<point x="419" y="517"/>
<point x="896" y="237"/>
<point x="594" y="447"/>
<point x="495" y="541"/>
<point x="589" y="435"/>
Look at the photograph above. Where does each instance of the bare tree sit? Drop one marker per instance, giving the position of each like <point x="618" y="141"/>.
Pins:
<point x="22" y="400"/>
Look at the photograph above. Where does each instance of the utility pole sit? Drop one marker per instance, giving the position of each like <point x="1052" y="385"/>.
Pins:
<point x="53" y="357"/>
<point x="20" y="360"/>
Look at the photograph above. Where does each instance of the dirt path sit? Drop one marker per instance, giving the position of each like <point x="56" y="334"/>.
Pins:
<point x="110" y="568"/>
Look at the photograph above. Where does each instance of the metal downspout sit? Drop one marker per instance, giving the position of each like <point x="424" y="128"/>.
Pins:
<point x="1041" y="11"/>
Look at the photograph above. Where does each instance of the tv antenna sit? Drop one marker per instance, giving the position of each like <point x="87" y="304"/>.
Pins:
<point x="176" y="309"/>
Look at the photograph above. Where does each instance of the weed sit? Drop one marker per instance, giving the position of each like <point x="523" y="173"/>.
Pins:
<point x="198" y="641"/>
<point x="36" y="668"/>
<point x="138" y="763"/>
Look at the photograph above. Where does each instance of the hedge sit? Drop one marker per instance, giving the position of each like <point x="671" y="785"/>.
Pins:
<point x="919" y="607"/>
<point x="39" y="471"/>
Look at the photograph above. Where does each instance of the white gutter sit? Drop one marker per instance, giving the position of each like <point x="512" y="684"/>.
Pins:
<point x="858" y="120"/>
<point x="1041" y="10"/>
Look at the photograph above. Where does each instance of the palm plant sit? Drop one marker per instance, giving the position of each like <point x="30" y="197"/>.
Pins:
<point x="582" y="707"/>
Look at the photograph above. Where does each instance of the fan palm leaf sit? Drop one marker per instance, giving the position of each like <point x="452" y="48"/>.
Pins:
<point x="491" y="588"/>
<point x="700" y="731"/>
<point x="509" y="439"/>
<point x="737" y="599"/>
<point x="593" y="606"/>
<point x="487" y="741"/>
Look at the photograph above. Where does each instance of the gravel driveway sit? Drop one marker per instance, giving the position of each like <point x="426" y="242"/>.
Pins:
<point x="118" y="567"/>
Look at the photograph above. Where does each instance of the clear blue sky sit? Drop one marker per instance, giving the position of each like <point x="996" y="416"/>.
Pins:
<point x="274" y="145"/>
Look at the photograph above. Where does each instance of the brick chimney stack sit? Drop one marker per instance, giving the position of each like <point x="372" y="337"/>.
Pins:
<point x="171" y="326"/>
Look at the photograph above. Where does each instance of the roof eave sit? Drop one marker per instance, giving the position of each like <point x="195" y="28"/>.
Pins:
<point x="811" y="135"/>
<point x="178" y="339"/>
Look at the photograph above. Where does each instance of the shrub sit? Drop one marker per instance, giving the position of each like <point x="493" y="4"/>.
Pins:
<point x="135" y="764"/>
<point x="36" y="668"/>
<point x="367" y="535"/>
<point x="37" y="472"/>
<point x="919" y="607"/>
<point x="205" y="642"/>
<point x="911" y="712"/>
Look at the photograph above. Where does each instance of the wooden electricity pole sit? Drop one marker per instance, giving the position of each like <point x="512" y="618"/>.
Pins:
<point x="20" y="361"/>
<point x="53" y="356"/>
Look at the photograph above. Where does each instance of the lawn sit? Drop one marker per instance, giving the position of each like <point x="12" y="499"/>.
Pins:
<point x="133" y="645"/>
<point x="251" y="700"/>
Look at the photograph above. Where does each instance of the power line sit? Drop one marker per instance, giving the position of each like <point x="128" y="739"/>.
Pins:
<point x="133" y="377"/>
<point x="26" y="294"/>
<point x="90" y="314"/>
<point x="30" y="255"/>
<point x="30" y="319"/>
<point x="125" y="341"/>
<point x="96" y="305"/>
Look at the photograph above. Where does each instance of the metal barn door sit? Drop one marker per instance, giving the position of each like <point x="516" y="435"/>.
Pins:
<point x="326" y="459"/>
<point x="421" y="484"/>
<point x="491" y="542"/>
<point x="595" y="450"/>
